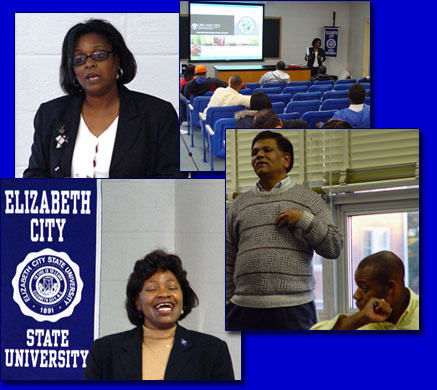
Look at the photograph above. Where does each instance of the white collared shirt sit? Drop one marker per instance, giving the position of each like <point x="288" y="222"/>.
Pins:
<point x="277" y="186"/>
<point x="92" y="155"/>
<point x="227" y="97"/>
<point x="356" y="107"/>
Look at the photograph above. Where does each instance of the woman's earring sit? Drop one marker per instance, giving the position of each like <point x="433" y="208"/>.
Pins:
<point x="75" y="82"/>
<point x="119" y="73"/>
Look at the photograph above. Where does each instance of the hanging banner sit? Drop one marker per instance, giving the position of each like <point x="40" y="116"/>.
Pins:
<point x="50" y="250"/>
<point x="331" y="41"/>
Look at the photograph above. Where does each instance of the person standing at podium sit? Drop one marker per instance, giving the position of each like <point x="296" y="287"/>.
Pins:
<point x="314" y="56"/>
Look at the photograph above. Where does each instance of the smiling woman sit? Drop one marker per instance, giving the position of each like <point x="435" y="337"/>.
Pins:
<point x="158" y="295"/>
<point x="101" y="129"/>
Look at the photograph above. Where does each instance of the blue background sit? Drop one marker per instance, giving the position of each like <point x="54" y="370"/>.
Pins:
<point x="403" y="92"/>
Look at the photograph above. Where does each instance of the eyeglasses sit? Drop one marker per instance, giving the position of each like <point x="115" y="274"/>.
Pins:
<point x="98" y="55"/>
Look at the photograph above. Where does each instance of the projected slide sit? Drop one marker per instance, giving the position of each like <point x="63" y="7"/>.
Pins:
<point x="226" y="32"/>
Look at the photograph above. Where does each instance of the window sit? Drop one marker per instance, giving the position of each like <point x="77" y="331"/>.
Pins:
<point x="373" y="222"/>
<point x="390" y="231"/>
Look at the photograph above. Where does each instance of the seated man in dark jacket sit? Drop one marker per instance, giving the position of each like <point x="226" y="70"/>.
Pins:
<point x="322" y="76"/>
<point x="201" y="83"/>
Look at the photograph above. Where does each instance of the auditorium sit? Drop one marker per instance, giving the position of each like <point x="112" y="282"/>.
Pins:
<point x="300" y="59"/>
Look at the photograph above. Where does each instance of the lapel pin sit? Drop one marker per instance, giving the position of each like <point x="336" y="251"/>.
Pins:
<point x="61" y="137"/>
<point x="184" y="342"/>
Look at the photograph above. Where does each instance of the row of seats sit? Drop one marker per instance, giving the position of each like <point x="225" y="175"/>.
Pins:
<point x="302" y="102"/>
<point x="218" y="119"/>
<point x="280" y="103"/>
<point x="301" y="88"/>
<point x="306" y="83"/>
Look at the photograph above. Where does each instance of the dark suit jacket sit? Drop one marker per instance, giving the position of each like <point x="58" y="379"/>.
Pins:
<point x="194" y="356"/>
<point x="311" y="57"/>
<point x="146" y="144"/>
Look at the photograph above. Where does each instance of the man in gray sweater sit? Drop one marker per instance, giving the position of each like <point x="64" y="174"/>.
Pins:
<point x="272" y="232"/>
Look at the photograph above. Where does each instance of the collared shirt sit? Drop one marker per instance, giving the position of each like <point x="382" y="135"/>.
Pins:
<point x="228" y="97"/>
<point x="409" y="320"/>
<point x="356" y="107"/>
<point x="276" y="187"/>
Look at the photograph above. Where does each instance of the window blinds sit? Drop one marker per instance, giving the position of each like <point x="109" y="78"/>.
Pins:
<point x="330" y="156"/>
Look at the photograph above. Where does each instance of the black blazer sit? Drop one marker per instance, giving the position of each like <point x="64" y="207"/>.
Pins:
<point x="146" y="144"/>
<point x="194" y="356"/>
<point x="311" y="57"/>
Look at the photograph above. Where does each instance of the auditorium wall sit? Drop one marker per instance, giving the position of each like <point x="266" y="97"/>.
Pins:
<point x="304" y="20"/>
<point x="38" y="44"/>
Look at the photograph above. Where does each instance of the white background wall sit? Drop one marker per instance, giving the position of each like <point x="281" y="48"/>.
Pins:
<point x="302" y="21"/>
<point x="182" y="216"/>
<point x="38" y="46"/>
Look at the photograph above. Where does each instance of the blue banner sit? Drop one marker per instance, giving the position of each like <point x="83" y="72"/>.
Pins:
<point x="49" y="236"/>
<point x="331" y="41"/>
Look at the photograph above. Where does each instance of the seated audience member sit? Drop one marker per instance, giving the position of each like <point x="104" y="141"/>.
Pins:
<point x="358" y="113"/>
<point x="344" y="75"/>
<point x="268" y="119"/>
<point x="201" y="83"/>
<point x="322" y="76"/>
<point x="258" y="101"/>
<point x="276" y="75"/>
<point x="188" y="76"/>
<point x="336" y="124"/>
<point x="383" y="301"/>
<point x="230" y="95"/>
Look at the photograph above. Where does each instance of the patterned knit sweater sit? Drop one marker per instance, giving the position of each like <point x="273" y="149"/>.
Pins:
<point x="267" y="267"/>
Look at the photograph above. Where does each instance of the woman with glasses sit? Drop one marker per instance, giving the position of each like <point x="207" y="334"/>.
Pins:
<point x="102" y="129"/>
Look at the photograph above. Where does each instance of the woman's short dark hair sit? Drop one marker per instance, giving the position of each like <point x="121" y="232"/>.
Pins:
<point x="112" y="36"/>
<point x="284" y="145"/>
<point x="315" y="40"/>
<point x="260" y="100"/>
<point x="189" y="72"/>
<point x="157" y="260"/>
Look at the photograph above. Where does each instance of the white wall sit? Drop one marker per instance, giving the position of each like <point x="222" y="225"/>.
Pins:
<point x="302" y="21"/>
<point x="359" y="14"/>
<point x="200" y="237"/>
<point x="182" y="216"/>
<point x="38" y="45"/>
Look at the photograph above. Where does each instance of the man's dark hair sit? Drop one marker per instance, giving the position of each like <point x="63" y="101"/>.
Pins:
<point x="157" y="260"/>
<point x="280" y="65"/>
<point x="235" y="81"/>
<point x="315" y="40"/>
<point x="189" y="72"/>
<point x="106" y="30"/>
<point x="284" y="145"/>
<point x="266" y="119"/>
<point x="357" y="94"/>
<point x="385" y="266"/>
<point x="336" y="124"/>
<point x="322" y="69"/>
<point x="260" y="100"/>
